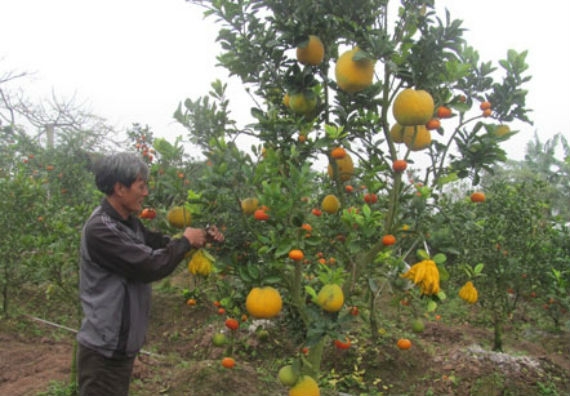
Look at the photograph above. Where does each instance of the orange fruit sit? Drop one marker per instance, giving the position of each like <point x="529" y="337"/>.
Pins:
<point x="305" y="386"/>
<point x="232" y="323"/>
<point x="316" y="212"/>
<point x="487" y="112"/>
<point x="443" y="112"/>
<point x="263" y="302"/>
<point x="417" y="137"/>
<point x="311" y="51"/>
<point x="485" y="105"/>
<point x="399" y="165"/>
<point x="354" y="75"/>
<point x="342" y="344"/>
<point x="478" y="196"/>
<point x="388" y="240"/>
<point x="345" y="168"/>
<point x="432" y="124"/>
<point x="191" y="301"/>
<point x="228" y="362"/>
<point x="338" y="153"/>
<point x="260" y="215"/>
<point x="404" y="343"/>
<point x="179" y="217"/>
<point x="330" y="204"/>
<point x="296" y="255"/>
<point x="370" y="198"/>
<point x="413" y="107"/>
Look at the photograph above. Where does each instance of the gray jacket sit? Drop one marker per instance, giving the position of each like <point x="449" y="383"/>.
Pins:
<point x="118" y="261"/>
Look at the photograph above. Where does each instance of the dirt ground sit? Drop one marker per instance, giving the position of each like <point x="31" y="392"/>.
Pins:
<point x="446" y="359"/>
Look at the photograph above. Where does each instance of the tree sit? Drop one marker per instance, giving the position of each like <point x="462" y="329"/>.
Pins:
<point x="304" y="110"/>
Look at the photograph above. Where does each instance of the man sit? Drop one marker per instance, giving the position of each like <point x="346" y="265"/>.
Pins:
<point x="119" y="258"/>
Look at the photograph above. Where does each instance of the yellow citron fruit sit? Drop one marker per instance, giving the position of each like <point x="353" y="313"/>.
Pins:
<point x="397" y="133"/>
<point x="264" y="302"/>
<point x="330" y="204"/>
<point x="312" y="53"/>
<point x="330" y="298"/>
<point x="417" y="137"/>
<point x="413" y="107"/>
<point x="303" y="103"/>
<point x="306" y="386"/>
<point x="353" y="75"/>
<point x="502" y="130"/>
<point x="179" y="217"/>
<point x="345" y="168"/>
<point x="468" y="293"/>
<point x="200" y="263"/>
<point x="249" y="205"/>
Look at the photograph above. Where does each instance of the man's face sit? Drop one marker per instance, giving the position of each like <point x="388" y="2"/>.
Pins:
<point x="133" y="197"/>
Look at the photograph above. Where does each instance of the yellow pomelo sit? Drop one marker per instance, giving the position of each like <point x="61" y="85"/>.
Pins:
<point x="330" y="298"/>
<point x="312" y="53"/>
<point x="303" y="103"/>
<point x="397" y="133"/>
<point x="306" y="386"/>
<point x="353" y="75"/>
<point x="249" y="205"/>
<point x="345" y="168"/>
<point x="264" y="302"/>
<point x="179" y="217"/>
<point x="413" y="107"/>
<point x="330" y="204"/>
<point x="417" y="137"/>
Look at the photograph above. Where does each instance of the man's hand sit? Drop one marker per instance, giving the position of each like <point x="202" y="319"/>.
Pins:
<point x="213" y="234"/>
<point x="196" y="236"/>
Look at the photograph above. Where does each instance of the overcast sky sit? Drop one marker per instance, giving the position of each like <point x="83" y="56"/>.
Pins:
<point x="135" y="60"/>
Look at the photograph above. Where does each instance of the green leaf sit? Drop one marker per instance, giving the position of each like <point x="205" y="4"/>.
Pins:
<point x="478" y="268"/>
<point x="431" y="306"/>
<point x="439" y="258"/>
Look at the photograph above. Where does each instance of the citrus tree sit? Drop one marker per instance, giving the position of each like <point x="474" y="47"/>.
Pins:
<point x="348" y="100"/>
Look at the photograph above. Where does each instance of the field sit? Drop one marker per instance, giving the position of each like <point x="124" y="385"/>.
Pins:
<point x="450" y="357"/>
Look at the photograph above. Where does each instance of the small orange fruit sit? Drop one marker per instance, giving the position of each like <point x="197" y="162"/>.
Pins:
<point x="317" y="212"/>
<point x="342" y="344"/>
<point x="232" y="323"/>
<point x="487" y="112"/>
<point x="478" y="196"/>
<point x="348" y="188"/>
<point x="485" y="105"/>
<point x="296" y="255"/>
<point x="404" y="343"/>
<point x="191" y="301"/>
<point x="338" y="153"/>
<point x="388" y="240"/>
<point x="228" y="362"/>
<point x="432" y="124"/>
<point x="443" y="112"/>
<point x="370" y="198"/>
<point x="260" y="215"/>
<point x="399" y="165"/>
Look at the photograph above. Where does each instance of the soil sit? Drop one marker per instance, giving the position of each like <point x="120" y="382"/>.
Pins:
<point x="179" y="358"/>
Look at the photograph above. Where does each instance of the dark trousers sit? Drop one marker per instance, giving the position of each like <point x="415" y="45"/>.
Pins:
<point x="102" y="376"/>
